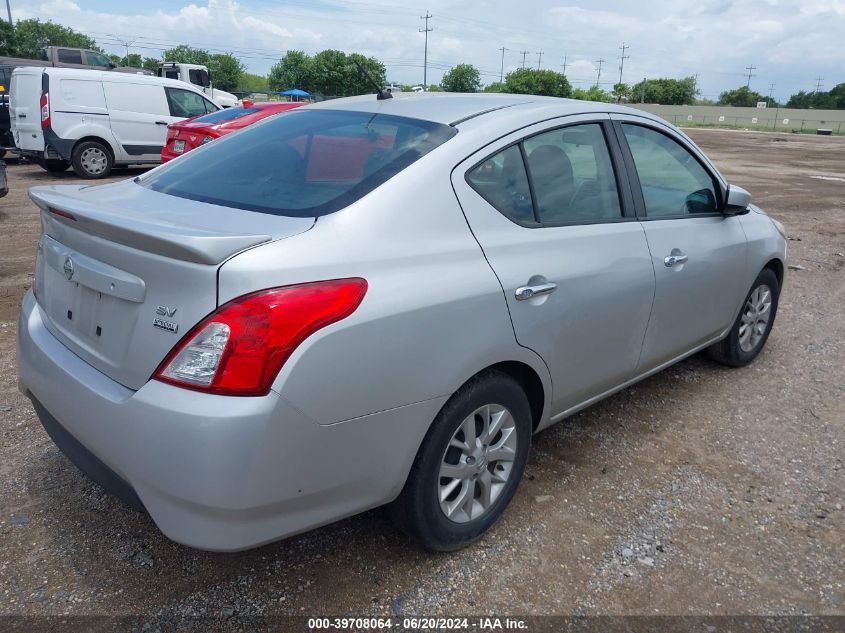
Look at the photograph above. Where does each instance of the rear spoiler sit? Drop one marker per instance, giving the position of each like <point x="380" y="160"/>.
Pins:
<point x="176" y="241"/>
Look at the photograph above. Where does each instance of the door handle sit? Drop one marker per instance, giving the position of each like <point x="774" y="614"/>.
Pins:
<point x="523" y="293"/>
<point x="677" y="257"/>
<point x="21" y="116"/>
<point x="161" y="122"/>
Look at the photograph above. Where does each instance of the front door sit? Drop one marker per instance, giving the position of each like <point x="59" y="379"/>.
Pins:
<point x="698" y="253"/>
<point x="560" y="233"/>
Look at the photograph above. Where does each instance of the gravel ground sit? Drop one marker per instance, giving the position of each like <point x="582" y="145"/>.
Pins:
<point x="699" y="491"/>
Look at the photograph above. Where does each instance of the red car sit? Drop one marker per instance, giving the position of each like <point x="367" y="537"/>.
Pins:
<point x="189" y="134"/>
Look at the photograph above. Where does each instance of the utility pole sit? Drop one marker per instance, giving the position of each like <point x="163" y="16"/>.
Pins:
<point x="819" y="81"/>
<point x="524" y="53"/>
<point x="9" y="9"/>
<point x="771" y="91"/>
<point x="622" y="59"/>
<point x="694" y="85"/>
<point x="502" y="72"/>
<point x="642" y="92"/>
<point x="426" y="30"/>
<point x="598" y="77"/>
<point x="564" y="64"/>
<point x="539" y="59"/>
<point x="750" y="70"/>
<point x="126" y="43"/>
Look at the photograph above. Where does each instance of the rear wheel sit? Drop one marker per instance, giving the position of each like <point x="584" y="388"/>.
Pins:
<point x="54" y="166"/>
<point x="469" y="464"/>
<point x="753" y="324"/>
<point x="92" y="159"/>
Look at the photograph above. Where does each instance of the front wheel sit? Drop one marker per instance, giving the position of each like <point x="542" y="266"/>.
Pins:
<point x="469" y="465"/>
<point x="753" y="324"/>
<point x="92" y="159"/>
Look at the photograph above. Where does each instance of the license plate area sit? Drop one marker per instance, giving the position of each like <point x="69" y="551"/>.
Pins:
<point x="178" y="146"/>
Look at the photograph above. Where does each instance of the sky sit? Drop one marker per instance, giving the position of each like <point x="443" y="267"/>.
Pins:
<point x="792" y="44"/>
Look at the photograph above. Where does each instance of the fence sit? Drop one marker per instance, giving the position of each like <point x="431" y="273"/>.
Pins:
<point x="779" y="119"/>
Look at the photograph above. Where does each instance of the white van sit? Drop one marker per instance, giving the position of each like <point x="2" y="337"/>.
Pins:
<point x="94" y="120"/>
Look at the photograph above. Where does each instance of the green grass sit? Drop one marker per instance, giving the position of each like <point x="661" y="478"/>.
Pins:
<point x="756" y="127"/>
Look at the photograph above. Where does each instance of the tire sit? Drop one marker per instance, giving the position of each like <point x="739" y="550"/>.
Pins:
<point x="743" y="344"/>
<point x="92" y="159"/>
<point x="54" y="166"/>
<point x="418" y="511"/>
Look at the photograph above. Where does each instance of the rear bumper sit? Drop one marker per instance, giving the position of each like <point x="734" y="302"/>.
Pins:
<point x="215" y="472"/>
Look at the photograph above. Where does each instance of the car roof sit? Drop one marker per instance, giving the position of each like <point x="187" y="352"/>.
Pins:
<point x="454" y="108"/>
<point x="108" y="76"/>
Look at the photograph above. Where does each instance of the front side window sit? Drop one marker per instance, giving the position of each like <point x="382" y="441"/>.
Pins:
<point x="573" y="176"/>
<point x="673" y="182"/>
<point x="186" y="104"/>
<point x="70" y="56"/>
<point x="303" y="164"/>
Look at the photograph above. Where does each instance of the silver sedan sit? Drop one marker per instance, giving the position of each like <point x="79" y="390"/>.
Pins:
<point x="376" y="302"/>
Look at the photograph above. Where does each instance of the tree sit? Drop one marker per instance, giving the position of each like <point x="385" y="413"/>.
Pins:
<point x="356" y="82"/>
<point x="30" y="36"/>
<point x="294" y="70"/>
<point x="740" y="97"/>
<point x="226" y="71"/>
<point x="538" y="82"/>
<point x="832" y="100"/>
<point x="461" y="78"/>
<point x="7" y="39"/>
<point x="621" y="91"/>
<point x="329" y="68"/>
<point x="253" y="83"/>
<point x="665" y="91"/>
<point x="151" y="64"/>
<point x="495" y="87"/>
<point x="593" y="93"/>
<point x="187" y="55"/>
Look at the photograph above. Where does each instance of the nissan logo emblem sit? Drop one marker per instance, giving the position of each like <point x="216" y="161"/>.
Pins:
<point x="68" y="268"/>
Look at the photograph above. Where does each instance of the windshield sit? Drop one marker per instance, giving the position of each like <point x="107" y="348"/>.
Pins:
<point x="300" y="163"/>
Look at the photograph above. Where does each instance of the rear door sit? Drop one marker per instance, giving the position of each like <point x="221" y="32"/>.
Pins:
<point x="699" y="254"/>
<point x="139" y="115"/>
<point x="24" y="112"/>
<point x="550" y="211"/>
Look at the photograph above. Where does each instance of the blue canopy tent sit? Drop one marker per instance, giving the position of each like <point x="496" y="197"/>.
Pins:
<point x="294" y="92"/>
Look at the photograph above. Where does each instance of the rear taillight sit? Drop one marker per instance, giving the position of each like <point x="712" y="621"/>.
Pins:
<point x="45" y="110"/>
<point x="239" y="349"/>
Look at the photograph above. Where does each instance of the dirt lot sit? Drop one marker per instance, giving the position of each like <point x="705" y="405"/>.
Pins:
<point x="701" y="490"/>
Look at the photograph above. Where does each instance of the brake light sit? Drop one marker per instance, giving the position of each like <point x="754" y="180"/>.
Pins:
<point x="239" y="349"/>
<point x="45" y="110"/>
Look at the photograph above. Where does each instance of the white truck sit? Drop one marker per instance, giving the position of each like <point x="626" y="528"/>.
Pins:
<point x="199" y="76"/>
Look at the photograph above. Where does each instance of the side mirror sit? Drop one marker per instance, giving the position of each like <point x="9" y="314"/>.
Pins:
<point x="737" y="200"/>
<point x="112" y="65"/>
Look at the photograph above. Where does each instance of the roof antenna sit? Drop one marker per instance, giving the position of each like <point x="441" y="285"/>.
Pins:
<point x="381" y="93"/>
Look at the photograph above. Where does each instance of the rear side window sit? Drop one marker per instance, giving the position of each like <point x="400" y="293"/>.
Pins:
<point x="502" y="181"/>
<point x="568" y="171"/>
<point x="69" y="56"/>
<point x="306" y="163"/>
<point x="186" y="104"/>
<point x="96" y="59"/>
<point x="572" y="175"/>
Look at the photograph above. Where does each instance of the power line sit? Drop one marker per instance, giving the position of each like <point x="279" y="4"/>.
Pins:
<point x="426" y="30"/>
<point x="598" y="77"/>
<point x="622" y="59"/>
<point x="750" y="70"/>
<point x="502" y="71"/>
<point x="539" y="58"/>
<point x="524" y="53"/>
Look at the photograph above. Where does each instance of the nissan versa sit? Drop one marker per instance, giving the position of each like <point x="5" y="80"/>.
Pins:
<point x="378" y="301"/>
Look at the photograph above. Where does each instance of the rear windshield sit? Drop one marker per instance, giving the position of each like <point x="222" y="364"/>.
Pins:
<point x="300" y="163"/>
<point x="226" y="114"/>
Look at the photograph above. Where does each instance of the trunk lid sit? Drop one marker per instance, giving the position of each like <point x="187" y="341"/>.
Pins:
<point x="122" y="272"/>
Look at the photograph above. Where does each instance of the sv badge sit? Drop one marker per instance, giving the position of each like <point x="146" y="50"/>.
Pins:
<point x="165" y="311"/>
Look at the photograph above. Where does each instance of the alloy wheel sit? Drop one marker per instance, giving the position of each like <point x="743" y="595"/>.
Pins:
<point x="477" y="463"/>
<point x="755" y="318"/>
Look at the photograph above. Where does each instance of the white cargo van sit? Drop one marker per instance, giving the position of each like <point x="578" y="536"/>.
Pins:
<point x="94" y="120"/>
